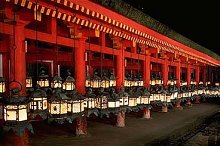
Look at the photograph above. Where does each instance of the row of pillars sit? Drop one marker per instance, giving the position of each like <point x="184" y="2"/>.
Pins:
<point x="18" y="69"/>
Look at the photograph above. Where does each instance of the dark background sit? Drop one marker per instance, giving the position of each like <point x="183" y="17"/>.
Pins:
<point x="196" y="20"/>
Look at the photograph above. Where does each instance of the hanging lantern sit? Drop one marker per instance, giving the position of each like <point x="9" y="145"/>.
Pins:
<point x="123" y="97"/>
<point x="76" y="103"/>
<point x="16" y="107"/>
<point x="113" y="100"/>
<point x="112" y="80"/>
<point x="95" y="82"/>
<point x="90" y="99"/>
<point x="58" y="104"/>
<point x="39" y="100"/>
<point x="132" y="100"/>
<point x="88" y="82"/>
<point x="144" y="97"/>
<point x="102" y="99"/>
<point x="69" y="83"/>
<point x="2" y="85"/>
<point x="152" y="82"/>
<point x="56" y="82"/>
<point x="105" y="82"/>
<point x="128" y="82"/>
<point x="43" y="79"/>
<point x="28" y="82"/>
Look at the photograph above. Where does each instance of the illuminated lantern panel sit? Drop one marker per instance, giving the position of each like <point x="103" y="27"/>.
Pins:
<point x="58" y="104"/>
<point x="39" y="103"/>
<point x="15" y="113"/>
<point x="88" y="83"/>
<point x="56" y="82"/>
<point x="114" y="104"/>
<point x="152" y="82"/>
<point x="112" y="83"/>
<point x="2" y="85"/>
<point x="168" y="98"/>
<point x="128" y="83"/>
<point x="58" y="108"/>
<point x="105" y="84"/>
<point x="29" y="82"/>
<point x="132" y="101"/>
<point x="39" y="100"/>
<point x="43" y="83"/>
<point x="90" y="103"/>
<point x="124" y="101"/>
<point x="76" y="106"/>
<point x="102" y="102"/>
<point x="143" y="100"/>
<point x="69" y="84"/>
<point x="95" y="84"/>
<point x="43" y="80"/>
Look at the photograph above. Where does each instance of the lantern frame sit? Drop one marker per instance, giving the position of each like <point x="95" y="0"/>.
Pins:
<point x="16" y="107"/>
<point x="43" y="80"/>
<point x="29" y="82"/>
<point x="58" y="104"/>
<point x="39" y="100"/>
<point x="76" y="104"/>
<point x="69" y="83"/>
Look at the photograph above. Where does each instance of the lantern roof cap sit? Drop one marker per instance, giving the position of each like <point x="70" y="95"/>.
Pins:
<point x="122" y="92"/>
<point x="58" y="95"/>
<point x="39" y="93"/>
<point x="42" y="74"/>
<point x="15" y="99"/>
<point x="89" y="93"/>
<point x="57" y="78"/>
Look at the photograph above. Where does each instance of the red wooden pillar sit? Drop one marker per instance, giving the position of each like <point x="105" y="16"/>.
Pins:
<point x="197" y="75"/>
<point x="17" y="57"/>
<point x="80" y="69"/>
<point x="188" y="75"/>
<point x="146" y="75"/>
<point x="178" y="73"/>
<point x="120" y="70"/>
<point x="165" y="72"/>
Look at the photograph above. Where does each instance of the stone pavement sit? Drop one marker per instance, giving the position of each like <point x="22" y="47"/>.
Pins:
<point x="138" y="132"/>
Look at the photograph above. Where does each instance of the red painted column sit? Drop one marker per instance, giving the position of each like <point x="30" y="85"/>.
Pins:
<point x="165" y="72"/>
<point x="147" y="69"/>
<point x="17" y="57"/>
<point x="197" y="74"/>
<point x="178" y="73"/>
<point x="80" y="69"/>
<point x="120" y="70"/>
<point x="188" y="75"/>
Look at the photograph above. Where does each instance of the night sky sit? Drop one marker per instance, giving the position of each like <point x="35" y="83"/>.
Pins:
<point x="196" y="20"/>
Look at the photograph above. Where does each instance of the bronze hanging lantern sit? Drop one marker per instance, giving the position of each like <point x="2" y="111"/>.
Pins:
<point x="16" y="106"/>
<point x="123" y="97"/>
<point x="38" y="99"/>
<point x="76" y="103"/>
<point x="69" y="83"/>
<point x="56" y="82"/>
<point x="90" y="99"/>
<point x="102" y="99"/>
<point x="58" y="104"/>
<point x="113" y="99"/>
<point x="43" y="79"/>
